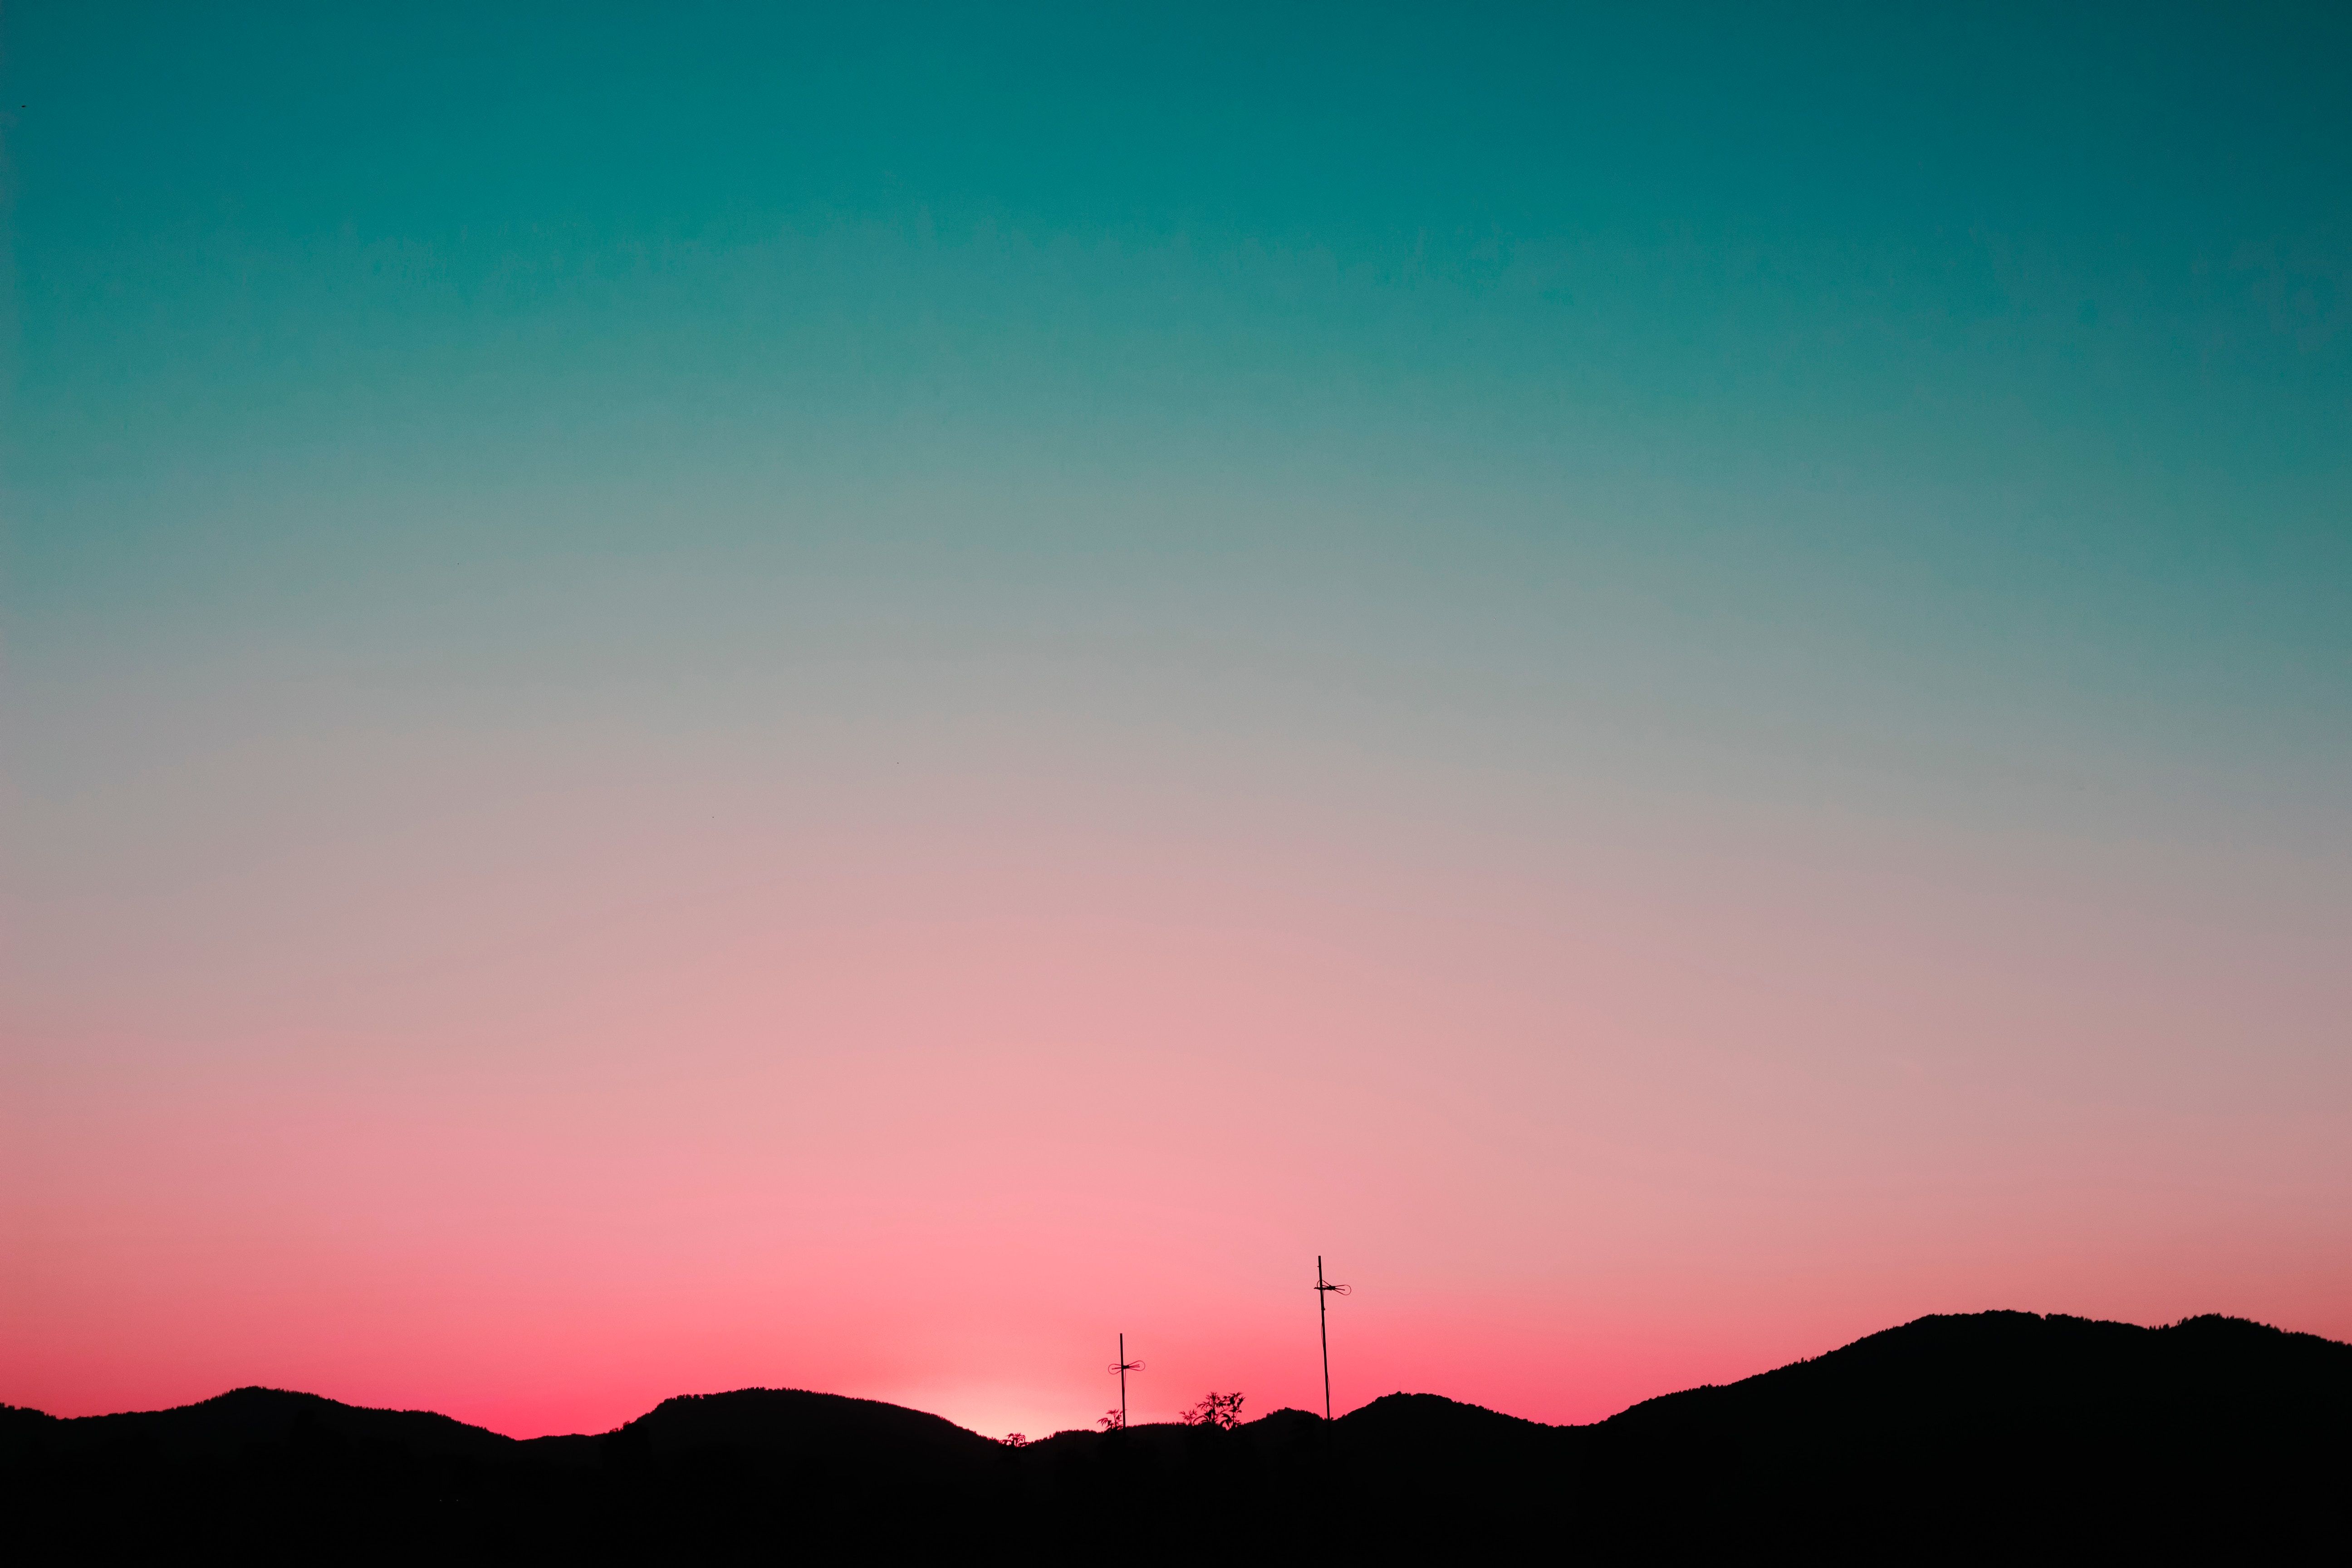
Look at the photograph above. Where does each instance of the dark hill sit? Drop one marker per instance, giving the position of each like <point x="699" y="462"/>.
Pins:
<point x="1998" y="1370"/>
<point x="247" y="1419"/>
<point x="792" y="1423"/>
<point x="1999" y="1437"/>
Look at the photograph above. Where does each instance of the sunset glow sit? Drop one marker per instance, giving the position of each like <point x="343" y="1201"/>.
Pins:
<point x="730" y="700"/>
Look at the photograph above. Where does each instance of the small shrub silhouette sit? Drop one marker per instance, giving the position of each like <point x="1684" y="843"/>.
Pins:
<point x="1216" y="1410"/>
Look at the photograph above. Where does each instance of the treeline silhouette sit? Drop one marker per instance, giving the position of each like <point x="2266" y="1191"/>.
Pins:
<point x="2000" y="1437"/>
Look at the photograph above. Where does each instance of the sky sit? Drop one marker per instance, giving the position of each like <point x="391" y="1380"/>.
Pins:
<point x="848" y="698"/>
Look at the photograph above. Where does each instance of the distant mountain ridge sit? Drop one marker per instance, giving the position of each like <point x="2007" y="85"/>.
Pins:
<point x="1949" y="1439"/>
<point x="228" y="1425"/>
<point x="1967" y="1365"/>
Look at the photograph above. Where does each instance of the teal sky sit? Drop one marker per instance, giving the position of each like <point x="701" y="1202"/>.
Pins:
<point x="1856" y="493"/>
<point x="1972" y="337"/>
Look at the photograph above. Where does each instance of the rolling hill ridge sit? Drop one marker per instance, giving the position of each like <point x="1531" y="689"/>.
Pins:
<point x="1950" y="1438"/>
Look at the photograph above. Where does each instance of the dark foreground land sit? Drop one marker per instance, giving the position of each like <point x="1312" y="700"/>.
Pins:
<point x="2001" y="1437"/>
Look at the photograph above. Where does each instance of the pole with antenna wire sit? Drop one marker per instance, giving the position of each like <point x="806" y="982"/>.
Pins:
<point x="1123" y="1366"/>
<point x="1323" y="1289"/>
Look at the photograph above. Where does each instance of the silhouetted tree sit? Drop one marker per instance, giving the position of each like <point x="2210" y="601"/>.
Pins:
<point x="1216" y="1410"/>
<point x="1113" y="1419"/>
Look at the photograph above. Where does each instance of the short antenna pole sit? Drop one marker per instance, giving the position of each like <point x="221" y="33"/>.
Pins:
<point x="1123" y="1366"/>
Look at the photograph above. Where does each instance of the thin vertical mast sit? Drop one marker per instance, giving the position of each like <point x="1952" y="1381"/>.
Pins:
<point x="1323" y="1324"/>
<point x="1323" y="1290"/>
<point x="1123" y="1366"/>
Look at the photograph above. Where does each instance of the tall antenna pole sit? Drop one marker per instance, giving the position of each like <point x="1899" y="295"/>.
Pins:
<point x="1123" y="1366"/>
<point x="1323" y="1288"/>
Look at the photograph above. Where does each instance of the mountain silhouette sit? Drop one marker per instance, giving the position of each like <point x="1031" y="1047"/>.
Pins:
<point x="1994" y="1437"/>
<point x="245" y="1420"/>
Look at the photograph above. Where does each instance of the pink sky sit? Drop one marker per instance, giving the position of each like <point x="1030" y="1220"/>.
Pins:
<point x="536" y="1122"/>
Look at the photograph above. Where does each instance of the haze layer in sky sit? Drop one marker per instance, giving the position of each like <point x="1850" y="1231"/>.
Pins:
<point x="849" y="696"/>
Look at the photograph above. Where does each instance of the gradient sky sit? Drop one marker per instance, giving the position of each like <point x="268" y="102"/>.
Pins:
<point x="702" y="696"/>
